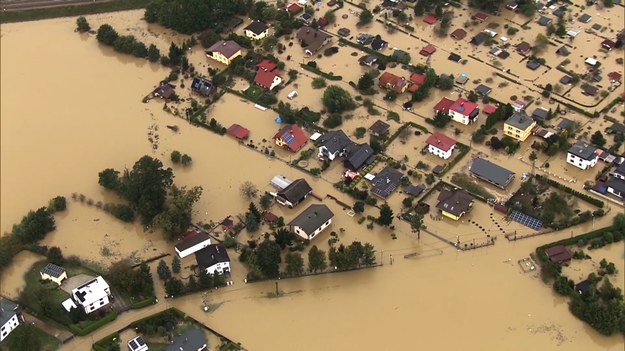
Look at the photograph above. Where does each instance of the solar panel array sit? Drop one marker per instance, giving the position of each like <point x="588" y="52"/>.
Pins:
<point x="288" y="138"/>
<point x="53" y="270"/>
<point x="526" y="220"/>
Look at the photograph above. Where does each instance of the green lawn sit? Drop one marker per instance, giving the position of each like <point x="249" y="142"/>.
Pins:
<point x="47" y="342"/>
<point x="254" y="91"/>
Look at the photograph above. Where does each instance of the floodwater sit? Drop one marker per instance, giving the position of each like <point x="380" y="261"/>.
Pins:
<point x="88" y="116"/>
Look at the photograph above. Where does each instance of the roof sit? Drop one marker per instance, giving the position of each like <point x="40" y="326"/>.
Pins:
<point x="462" y="106"/>
<point x="566" y="79"/>
<point x="379" y="127"/>
<point x="358" y="155"/>
<point x="428" y="50"/>
<point x="91" y="291"/>
<point x="202" y="85"/>
<point x="238" y="131"/>
<point x="266" y="65"/>
<point x="565" y="123"/>
<point x="164" y="91"/>
<point x="343" y="31"/>
<point x="417" y="78"/>
<point x="311" y="38"/>
<point x="193" y="339"/>
<point x="583" y="150"/>
<point x="583" y="286"/>
<point x="269" y="217"/>
<point x="562" y="50"/>
<point x="590" y="90"/>
<point x="443" y="105"/>
<point x="491" y="172"/>
<point x="459" y="34"/>
<point x="479" y="38"/>
<point x="429" y="19"/>
<point x="378" y="43"/>
<point x="441" y="141"/>
<point x="226" y="47"/>
<point x="608" y="44"/>
<point x="541" y="113"/>
<point x="533" y="64"/>
<point x="335" y="140"/>
<point x="7" y="310"/>
<point x="137" y="343"/>
<point x="544" y="21"/>
<point x="585" y="18"/>
<point x="621" y="169"/>
<point x="617" y="184"/>
<point x="265" y="78"/>
<point x="489" y="108"/>
<point x="523" y="47"/>
<point x="312" y="218"/>
<point x="614" y="76"/>
<point x="414" y="190"/>
<point x="293" y="136"/>
<point x="520" y="121"/>
<point x="191" y="241"/>
<point x="386" y="182"/>
<point x="455" y="57"/>
<point x="456" y="201"/>
<point x="257" y="27"/>
<point x="293" y="7"/>
<point x="368" y="59"/>
<point x="480" y="16"/>
<point x="211" y="255"/>
<point x="322" y="22"/>
<point x="558" y="253"/>
<point x="483" y="89"/>
<point x="390" y="81"/>
<point x="53" y="270"/>
<point x="296" y="191"/>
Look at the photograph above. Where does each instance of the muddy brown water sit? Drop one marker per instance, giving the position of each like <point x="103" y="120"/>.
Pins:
<point x="86" y="115"/>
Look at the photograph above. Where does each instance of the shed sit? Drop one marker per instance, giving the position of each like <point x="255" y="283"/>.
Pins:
<point x="428" y="50"/>
<point x="585" y="18"/>
<point x="566" y="79"/>
<point x="459" y="34"/>
<point x="280" y="182"/>
<point x="544" y="21"/>
<point x="558" y="254"/>
<point x="238" y="131"/>
<point x="430" y="19"/>
<point x="480" y="16"/>
<point x="192" y="244"/>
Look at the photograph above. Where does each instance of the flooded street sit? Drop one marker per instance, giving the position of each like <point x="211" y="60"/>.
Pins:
<point x="71" y="108"/>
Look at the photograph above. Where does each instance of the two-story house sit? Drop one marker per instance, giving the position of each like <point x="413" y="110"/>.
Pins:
<point x="440" y="145"/>
<point x="312" y="40"/>
<point x="519" y="126"/>
<point x="294" y="193"/>
<point x="267" y="74"/>
<point x="392" y="82"/>
<point x="291" y="137"/>
<point x="90" y="296"/>
<point x="224" y="51"/>
<point x="256" y="30"/>
<point x="332" y="144"/>
<point x="454" y="203"/>
<point x="582" y="155"/>
<point x="10" y="317"/>
<point x="464" y="111"/>
<point x="311" y="221"/>
<point x="213" y="259"/>
<point x="616" y="183"/>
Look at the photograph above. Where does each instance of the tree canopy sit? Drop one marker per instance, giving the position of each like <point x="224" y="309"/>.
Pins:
<point x="268" y="258"/>
<point x="191" y="16"/>
<point x="337" y="99"/>
<point x="178" y="214"/>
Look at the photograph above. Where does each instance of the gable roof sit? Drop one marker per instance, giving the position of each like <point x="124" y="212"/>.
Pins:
<point x="489" y="108"/>
<point x="520" y="120"/>
<point x="293" y="7"/>
<point x="491" y="172"/>
<point x="480" y="16"/>
<point x="378" y="43"/>
<point x="590" y="90"/>
<point x="456" y="201"/>
<point x="479" y="38"/>
<point x="458" y="34"/>
<point x="441" y="141"/>
<point x="558" y="253"/>
<point x="226" y="47"/>
<point x="191" y="241"/>
<point x="7" y="310"/>
<point x="164" y="91"/>
<point x="53" y="270"/>
<point x="266" y="78"/>
<point x="257" y="27"/>
<point x="565" y="123"/>
<point x="358" y="155"/>
<point x="238" y="131"/>
<point x="266" y="65"/>
<point x="562" y="50"/>
<point x="202" y="85"/>
<point x="428" y="50"/>
<point x="390" y="81"/>
<point x="614" y="76"/>
<point x="483" y="89"/>
<point x="541" y="113"/>
<point x="293" y="136"/>
<point x="584" y="286"/>
<point x="414" y="190"/>
<point x="566" y="79"/>
<point x="312" y="218"/>
<point x="296" y="191"/>
<point x="417" y="78"/>
<point x="379" y="127"/>
<point x="463" y="106"/>
<point x="584" y="18"/>
<point x="617" y="184"/>
<point x="523" y="47"/>
<point x="211" y="255"/>
<point x="386" y="182"/>
<point x="334" y="141"/>
<point x="533" y="64"/>
<point x="311" y="39"/>
<point x="544" y="21"/>
<point x="443" y="105"/>
<point x="583" y="150"/>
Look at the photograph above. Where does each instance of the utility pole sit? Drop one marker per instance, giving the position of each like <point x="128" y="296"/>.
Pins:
<point x="276" y="288"/>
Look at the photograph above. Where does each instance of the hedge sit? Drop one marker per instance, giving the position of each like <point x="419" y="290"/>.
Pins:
<point x="92" y="325"/>
<point x="464" y="150"/>
<point x="101" y="344"/>
<point x="71" y="10"/>
<point x="320" y="72"/>
<point x="591" y="200"/>
<point x="176" y="311"/>
<point x="143" y="303"/>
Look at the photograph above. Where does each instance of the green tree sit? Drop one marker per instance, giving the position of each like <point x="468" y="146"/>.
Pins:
<point x="268" y="258"/>
<point x="24" y="338"/>
<point x="318" y="83"/>
<point x="163" y="270"/>
<point x="175" y="156"/>
<point x="359" y="207"/>
<point x="294" y="264"/>
<point x="55" y="255"/>
<point x="316" y="259"/>
<point x="109" y="179"/>
<point x="618" y="223"/>
<point x="337" y="99"/>
<point x="208" y="38"/>
<point x="177" y="216"/>
<point x="34" y="226"/>
<point x="407" y="202"/>
<point x="252" y="223"/>
<point x="106" y="34"/>
<point x="186" y="160"/>
<point x="365" y="82"/>
<point x="252" y="210"/>
<point x="174" y="287"/>
<point x="57" y="204"/>
<point x="10" y="245"/>
<point x="82" y="25"/>
<point x="266" y="200"/>
<point x="386" y="215"/>
<point x="441" y="119"/>
<point x="175" y="264"/>
<point x="205" y="280"/>
<point x="154" y="54"/>
<point x="284" y="237"/>
<point x="472" y="96"/>
<point x="446" y="82"/>
<point x="598" y="139"/>
<point x="330" y="17"/>
<point x="365" y="17"/>
<point x="368" y="255"/>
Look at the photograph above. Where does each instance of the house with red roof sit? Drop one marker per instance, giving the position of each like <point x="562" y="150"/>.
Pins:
<point x="430" y="19"/>
<point x="291" y="137"/>
<point x="440" y="145"/>
<point x="464" y="111"/>
<point x="428" y="50"/>
<point x="294" y="8"/>
<point x="614" y="77"/>
<point x="481" y="16"/>
<point x="392" y="82"/>
<point x="267" y="74"/>
<point x="459" y="34"/>
<point x="608" y="44"/>
<point x="416" y="80"/>
<point x="238" y="131"/>
<point x="489" y="108"/>
<point x="443" y="106"/>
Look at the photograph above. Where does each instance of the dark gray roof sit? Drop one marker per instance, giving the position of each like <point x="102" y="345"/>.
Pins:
<point x="202" y="86"/>
<point x="559" y="12"/>
<point x="296" y="191"/>
<point x="583" y="150"/>
<point x="7" y="310"/>
<point x="491" y="172"/>
<point x="335" y="140"/>
<point x="583" y="286"/>
<point x="257" y="27"/>
<point x="617" y="184"/>
<point x="414" y="190"/>
<point x="621" y="168"/>
<point x="343" y="32"/>
<point x="562" y="50"/>
<point x="533" y="64"/>
<point x="566" y="79"/>
<point x="312" y="218"/>
<point x="211" y="255"/>
<point x="379" y="127"/>
<point x="540" y="113"/>
<point x="378" y="43"/>
<point x="358" y="155"/>
<point x="479" y="38"/>
<point x="193" y="339"/>
<point x="386" y="182"/>
<point x="191" y="241"/>
<point x="483" y="89"/>
<point x="53" y="270"/>
<point x="565" y="123"/>
<point x="585" y="18"/>
<point x="311" y="38"/>
<point x="617" y="127"/>
<point x="520" y="120"/>
<point x="544" y="21"/>
<point x="456" y="201"/>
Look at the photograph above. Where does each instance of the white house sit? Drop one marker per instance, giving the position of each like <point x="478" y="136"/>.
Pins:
<point x="54" y="273"/>
<point x="311" y="221"/>
<point x="213" y="259"/>
<point x="332" y="144"/>
<point x="464" y="111"/>
<point x="10" y="317"/>
<point x="293" y="194"/>
<point x="137" y="344"/>
<point x="92" y="295"/>
<point x="620" y="171"/>
<point x="440" y="145"/>
<point x="192" y="243"/>
<point x="616" y="186"/>
<point x="582" y="155"/>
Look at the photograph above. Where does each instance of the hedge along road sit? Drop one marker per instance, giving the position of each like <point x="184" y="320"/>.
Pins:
<point x="14" y="5"/>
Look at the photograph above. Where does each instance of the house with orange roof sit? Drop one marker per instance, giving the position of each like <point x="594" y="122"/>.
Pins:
<point x="392" y="82"/>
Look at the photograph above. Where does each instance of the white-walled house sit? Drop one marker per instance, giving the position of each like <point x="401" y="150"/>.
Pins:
<point x="214" y="259"/>
<point x="311" y="221"/>
<point x="192" y="244"/>
<point x="464" y="111"/>
<point x="332" y="144"/>
<point x="54" y="273"/>
<point x="10" y="317"/>
<point x="137" y="344"/>
<point x="440" y="145"/>
<point x="582" y="155"/>
<point x="91" y="296"/>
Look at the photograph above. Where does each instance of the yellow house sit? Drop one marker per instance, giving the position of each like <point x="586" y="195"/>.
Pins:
<point x="224" y="51"/>
<point x="54" y="273"/>
<point x="454" y="203"/>
<point x="257" y="30"/>
<point x="519" y="126"/>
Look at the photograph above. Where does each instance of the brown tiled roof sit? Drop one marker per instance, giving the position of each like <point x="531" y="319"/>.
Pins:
<point x="226" y="47"/>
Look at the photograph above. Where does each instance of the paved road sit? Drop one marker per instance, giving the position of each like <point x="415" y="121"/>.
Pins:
<point x="14" y="5"/>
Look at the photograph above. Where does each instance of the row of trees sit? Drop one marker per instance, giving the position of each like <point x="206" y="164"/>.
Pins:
<point x="137" y="283"/>
<point x="126" y="44"/>
<point x="353" y="256"/>
<point x="204" y="281"/>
